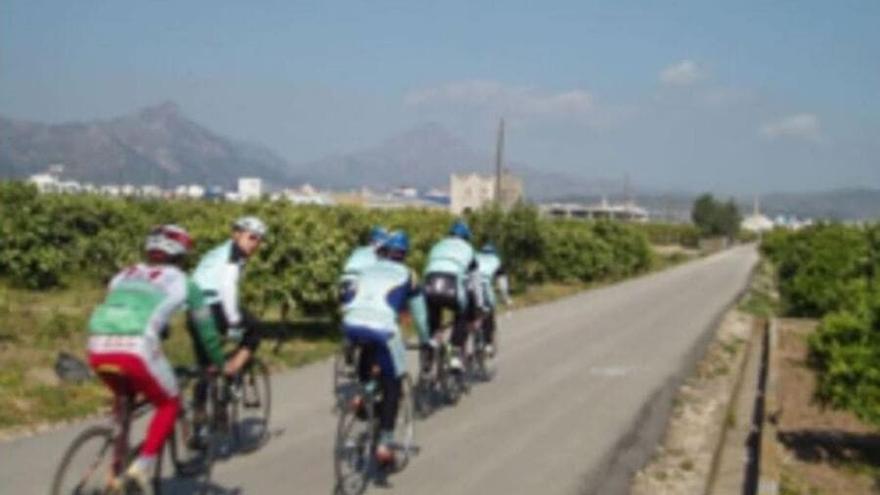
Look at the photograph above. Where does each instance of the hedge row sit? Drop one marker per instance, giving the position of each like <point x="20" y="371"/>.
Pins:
<point x="48" y="240"/>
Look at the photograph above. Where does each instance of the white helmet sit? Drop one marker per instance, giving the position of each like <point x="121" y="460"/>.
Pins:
<point x="251" y="224"/>
<point x="169" y="239"/>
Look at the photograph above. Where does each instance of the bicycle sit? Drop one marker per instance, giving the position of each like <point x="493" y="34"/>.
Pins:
<point x="478" y="364"/>
<point x="250" y="391"/>
<point x="436" y="382"/>
<point x="107" y="450"/>
<point x="357" y="436"/>
<point x="343" y="373"/>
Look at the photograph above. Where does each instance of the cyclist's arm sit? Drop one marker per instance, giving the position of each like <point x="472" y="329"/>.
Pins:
<point x="205" y="335"/>
<point x="474" y="282"/>
<point x="418" y="309"/>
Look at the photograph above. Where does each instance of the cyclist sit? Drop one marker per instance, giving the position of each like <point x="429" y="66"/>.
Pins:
<point x="372" y="311"/>
<point x="492" y="274"/>
<point x="218" y="274"/>
<point x="366" y="255"/>
<point x="358" y="260"/>
<point x="452" y="281"/>
<point x="125" y="333"/>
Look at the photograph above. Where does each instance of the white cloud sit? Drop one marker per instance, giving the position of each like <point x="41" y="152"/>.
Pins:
<point x="510" y="100"/>
<point x="684" y="73"/>
<point x="798" y="126"/>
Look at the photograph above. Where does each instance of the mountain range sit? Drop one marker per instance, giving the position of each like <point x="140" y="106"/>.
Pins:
<point x="156" y="145"/>
<point x="159" y="145"/>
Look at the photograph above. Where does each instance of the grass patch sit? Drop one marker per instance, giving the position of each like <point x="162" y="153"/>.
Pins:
<point x="762" y="300"/>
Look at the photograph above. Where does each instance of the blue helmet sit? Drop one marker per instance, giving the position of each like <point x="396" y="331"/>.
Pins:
<point x="378" y="235"/>
<point x="460" y="229"/>
<point x="397" y="242"/>
<point x="488" y="248"/>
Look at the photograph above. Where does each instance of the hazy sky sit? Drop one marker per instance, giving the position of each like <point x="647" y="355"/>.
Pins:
<point x="733" y="97"/>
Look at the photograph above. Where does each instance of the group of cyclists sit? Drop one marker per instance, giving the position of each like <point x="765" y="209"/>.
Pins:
<point x="377" y="291"/>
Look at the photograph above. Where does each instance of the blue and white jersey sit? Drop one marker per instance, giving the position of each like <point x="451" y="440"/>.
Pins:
<point x="380" y="294"/>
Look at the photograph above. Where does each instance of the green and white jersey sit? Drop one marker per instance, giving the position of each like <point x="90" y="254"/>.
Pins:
<point x="143" y="298"/>
<point x="217" y="274"/>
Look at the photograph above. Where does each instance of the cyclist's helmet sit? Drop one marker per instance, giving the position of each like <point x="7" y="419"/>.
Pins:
<point x="251" y="224"/>
<point x="488" y="248"/>
<point x="461" y="230"/>
<point x="167" y="242"/>
<point x="396" y="245"/>
<point x="378" y="235"/>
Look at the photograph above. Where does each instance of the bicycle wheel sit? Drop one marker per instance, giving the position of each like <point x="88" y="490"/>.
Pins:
<point x="404" y="430"/>
<point x="356" y="436"/>
<point x="252" y="407"/>
<point x="423" y="395"/>
<point x="451" y="383"/>
<point x="191" y="451"/>
<point x="87" y="466"/>
<point x="482" y="370"/>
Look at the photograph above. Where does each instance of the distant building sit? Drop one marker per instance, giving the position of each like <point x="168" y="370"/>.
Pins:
<point x="628" y="211"/>
<point x="757" y="222"/>
<point x="473" y="191"/>
<point x="195" y="191"/>
<point x="406" y="192"/>
<point x="250" y="188"/>
<point x="44" y="182"/>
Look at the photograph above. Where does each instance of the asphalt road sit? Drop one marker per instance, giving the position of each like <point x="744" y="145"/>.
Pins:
<point x="582" y="394"/>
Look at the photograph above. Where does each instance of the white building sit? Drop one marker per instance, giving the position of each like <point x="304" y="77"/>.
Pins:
<point x="250" y="188"/>
<point x="627" y="211"/>
<point x="44" y="182"/>
<point x="150" y="191"/>
<point x="195" y="191"/>
<point x="757" y="222"/>
<point x="473" y="191"/>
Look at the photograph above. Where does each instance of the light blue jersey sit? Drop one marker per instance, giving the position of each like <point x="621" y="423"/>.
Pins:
<point x="456" y="256"/>
<point x="380" y="294"/>
<point x="360" y="259"/>
<point x="488" y="264"/>
<point x="450" y="255"/>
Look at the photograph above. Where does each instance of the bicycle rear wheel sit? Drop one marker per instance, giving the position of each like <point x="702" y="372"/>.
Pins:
<point x="404" y="430"/>
<point x="253" y="407"/>
<point x="356" y="436"/>
<point x="452" y="384"/>
<point x="87" y="466"/>
<point x="344" y="373"/>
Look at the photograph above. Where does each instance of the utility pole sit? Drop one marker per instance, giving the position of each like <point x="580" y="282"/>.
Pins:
<point x="499" y="159"/>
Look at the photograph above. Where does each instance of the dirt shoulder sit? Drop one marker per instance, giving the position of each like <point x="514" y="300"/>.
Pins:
<point x="683" y="461"/>
<point x="823" y="451"/>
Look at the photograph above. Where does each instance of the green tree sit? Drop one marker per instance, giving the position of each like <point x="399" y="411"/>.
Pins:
<point x="714" y="218"/>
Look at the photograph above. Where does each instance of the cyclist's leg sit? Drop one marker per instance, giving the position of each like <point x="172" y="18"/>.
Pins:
<point x="489" y="326"/>
<point x="250" y="341"/>
<point x="463" y="315"/>
<point x="146" y="371"/>
<point x="391" y="357"/>
<point x="200" y="392"/>
<point x="435" y="315"/>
